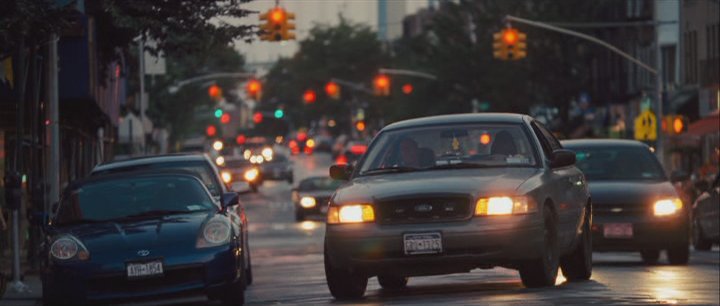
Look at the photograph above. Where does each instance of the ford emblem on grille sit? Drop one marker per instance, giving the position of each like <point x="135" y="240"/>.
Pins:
<point x="423" y="208"/>
<point x="616" y="210"/>
<point x="143" y="253"/>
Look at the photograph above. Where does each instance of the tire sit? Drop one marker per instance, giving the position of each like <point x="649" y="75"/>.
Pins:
<point x="542" y="272"/>
<point x="699" y="241"/>
<point x="392" y="282"/>
<point x="650" y="257"/>
<point x="577" y="266"/>
<point x="235" y="296"/>
<point x="344" y="284"/>
<point x="678" y="255"/>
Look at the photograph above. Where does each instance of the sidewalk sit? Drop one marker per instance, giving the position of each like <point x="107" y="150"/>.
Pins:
<point x="34" y="297"/>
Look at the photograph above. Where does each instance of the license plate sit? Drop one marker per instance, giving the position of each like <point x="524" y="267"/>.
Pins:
<point x="618" y="230"/>
<point x="422" y="243"/>
<point x="144" y="269"/>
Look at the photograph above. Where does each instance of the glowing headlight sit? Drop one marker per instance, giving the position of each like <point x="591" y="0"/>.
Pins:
<point x="310" y="143"/>
<point x="251" y="175"/>
<point x="214" y="233"/>
<point x="351" y="214"/>
<point x="504" y="206"/>
<point x="267" y="153"/>
<point x="256" y="159"/>
<point x="666" y="207"/>
<point x="220" y="161"/>
<point x="217" y="145"/>
<point x="308" y="202"/>
<point x="226" y="177"/>
<point x="247" y="154"/>
<point x="68" y="247"/>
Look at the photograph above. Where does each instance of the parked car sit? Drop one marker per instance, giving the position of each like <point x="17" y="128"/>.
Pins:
<point x="452" y="193"/>
<point x="635" y="207"/>
<point x="311" y="196"/>
<point x="146" y="234"/>
<point x="706" y="216"/>
<point x="278" y="168"/>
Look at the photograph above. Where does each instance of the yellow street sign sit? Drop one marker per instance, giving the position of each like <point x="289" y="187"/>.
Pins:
<point x="646" y="126"/>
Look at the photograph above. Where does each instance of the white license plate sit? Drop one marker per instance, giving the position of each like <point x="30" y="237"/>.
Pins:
<point x="422" y="243"/>
<point x="144" y="269"/>
<point x="618" y="230"/>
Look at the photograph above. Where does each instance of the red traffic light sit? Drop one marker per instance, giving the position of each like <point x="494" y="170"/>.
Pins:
<point x="211" y="130"/>
<point x="254" y="88"/>
<point x="240" y="139"/>
<point x="309" y="96"/>
<point x="510" y="36"/>
<point x="214" y="91"/>
<point x="678" y="125"/>
<point x="407" y="89"/>
<point x="382" y="81"/>
<point x="332" y="90"/>
<point x="277" y="15"/>
<point x="257" y="117"/>
<point x="360" y="126"/>
<point x="225" y="118"/>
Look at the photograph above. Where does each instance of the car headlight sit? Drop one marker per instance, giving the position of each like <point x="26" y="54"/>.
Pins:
<point x="220" y="161"/>
<point x="226" y="177"/>
<point x="356" y="213"/>
<point x="68" y="247"/>
<point x="251" y="175"/>
<point x="667" y="207"/>
<point x="214" y="233"/>
<point x="498" y="206"/>
<point x="267" y="153"/>
<point x="308" y="202"/>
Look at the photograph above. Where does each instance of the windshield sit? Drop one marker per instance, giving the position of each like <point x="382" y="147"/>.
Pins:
<point x="319" y="184"/>
<point x="119" y="198"/>
<point x="473" y="145"/>
<point x="618" y="164"/>
<point x="201" y="168"/>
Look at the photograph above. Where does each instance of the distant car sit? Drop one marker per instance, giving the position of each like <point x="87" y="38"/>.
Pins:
<point x="706" y="216"/>
<point x="323" y="143"/>
<point x="339" y="145"/>
<point x="137" y="235"/>
<point x="239" y="169"/>
<point x="635" y="207"/>
<point x="450" y="194"/>
<point x="278" y="168"/>
<point x="353" y="151"/>
<point x="312" y="194"/>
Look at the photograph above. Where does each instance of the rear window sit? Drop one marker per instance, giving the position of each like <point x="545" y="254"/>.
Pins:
<point x="316" y="184"/>
<point x="203" y="171"/>
<point x="618" y="163"/>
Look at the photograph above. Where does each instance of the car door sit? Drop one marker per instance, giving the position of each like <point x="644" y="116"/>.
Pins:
<point x="568" y="188"/>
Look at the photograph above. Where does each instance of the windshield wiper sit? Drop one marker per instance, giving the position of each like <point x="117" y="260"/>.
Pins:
<point x="79" y="221"/>
<point x="395" y="169"/>
<point x="156" y="213"/>
<point x="461" y="165"/>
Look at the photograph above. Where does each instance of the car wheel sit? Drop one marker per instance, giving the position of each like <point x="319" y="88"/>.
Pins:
<point x="699" y="241"/>
<point x="392" y="282"/>
<point x="578" y="264"/>
<point x="236" y="293"/>
<point x="344" y="284"/>
<point x="678" y="255"/>
<point x="650" y="257"/>
<point x="543" y="271"/>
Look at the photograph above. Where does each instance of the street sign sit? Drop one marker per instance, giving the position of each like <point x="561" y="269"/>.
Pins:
<point x="646" y="126"/>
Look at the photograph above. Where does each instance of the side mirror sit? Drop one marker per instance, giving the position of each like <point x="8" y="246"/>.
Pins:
<point x="230" y="199"/>
<point x="678" y="176"/>
<point x="340" y="172"/>
<point x="562" y="158"/>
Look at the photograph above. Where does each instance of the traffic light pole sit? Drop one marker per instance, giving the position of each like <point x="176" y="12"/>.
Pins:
<point x="655" y="71"/>
<point x="220" y="75"/>
<point x="406" y="72"/>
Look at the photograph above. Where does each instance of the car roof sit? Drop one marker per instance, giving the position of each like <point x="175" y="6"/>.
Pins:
<point x="608" y="142"/>
<point x="146" y="160"/>
<point x="459" y="118"/>
<point x="137" y="173"/>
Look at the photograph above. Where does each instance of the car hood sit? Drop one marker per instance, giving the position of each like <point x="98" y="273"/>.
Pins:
<point x="316" y="193"/>
<point x="175" y="233"/>
<point x="626" y="192"/>
<point x="473" y="182"/>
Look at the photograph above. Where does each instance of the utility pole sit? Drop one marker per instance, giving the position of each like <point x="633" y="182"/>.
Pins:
<point x="659" y="90"/>
<point x="141" y="69"/>
<point x="53" y="135"/>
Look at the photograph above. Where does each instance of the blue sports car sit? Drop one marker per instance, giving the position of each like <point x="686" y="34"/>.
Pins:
<point x="141" y="235"/>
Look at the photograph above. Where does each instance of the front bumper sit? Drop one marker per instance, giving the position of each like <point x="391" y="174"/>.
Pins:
<point x="649" y="232"/>
<point x="479" y="242"/>
<point x="207" y="272"/>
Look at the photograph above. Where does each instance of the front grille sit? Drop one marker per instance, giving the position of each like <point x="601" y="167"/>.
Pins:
<point x="115" y="283"/>
<point x="422" y="210"/>
<point x="322" y="201"/>
<point x="620" y="209"/>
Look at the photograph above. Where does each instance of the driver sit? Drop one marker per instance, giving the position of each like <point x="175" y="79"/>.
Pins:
<point x="409" y="153"/>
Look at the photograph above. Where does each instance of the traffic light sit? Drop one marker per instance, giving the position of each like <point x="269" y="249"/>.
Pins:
<point x="214" y="92"/>
<point x="240" y="139"/>
<point x="674" y="124"/>
<point x="218" y="113"/>
<point x="279" y="113"/>
<point x="254" y="89"/>
<point x="360" y="125"/>
<point x="211" y="130"/>
<point x="277" y="26"/>
<point x="225" y="119"/>
<point x="509" y="44"/>
<point x="257" y="117"/>
<point x="309" y="96"/>
<point x="381" y="84"/>
<point x="332" y="90"/>
<point x="407" y="89"/>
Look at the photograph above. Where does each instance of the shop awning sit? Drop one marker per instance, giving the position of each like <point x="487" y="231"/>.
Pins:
<point x="706" y="125"/>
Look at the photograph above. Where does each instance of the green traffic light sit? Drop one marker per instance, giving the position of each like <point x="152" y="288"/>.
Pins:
<point x="279" y="113"/>
<point x="218" y="113"/>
